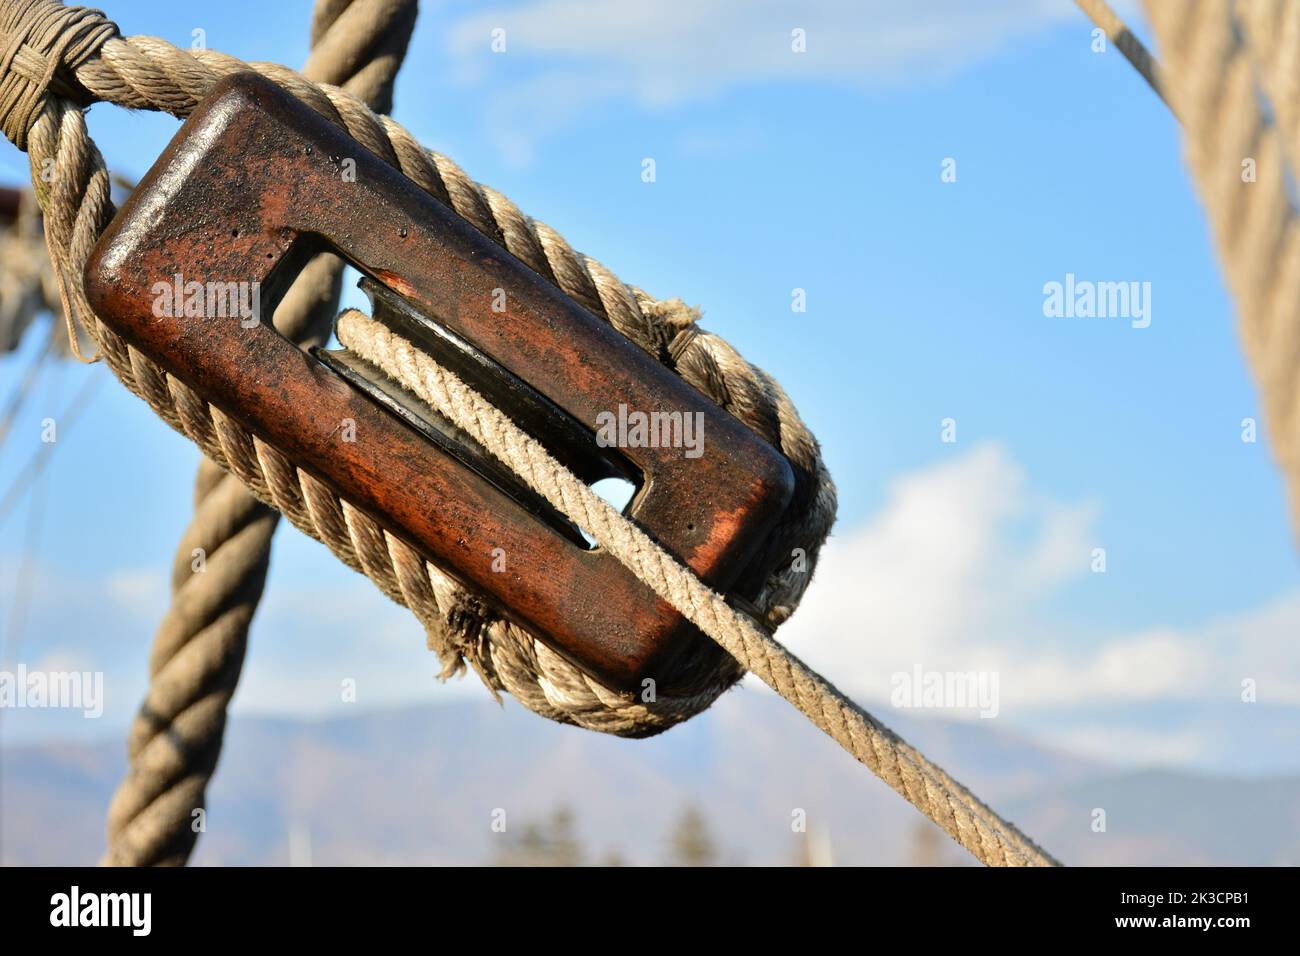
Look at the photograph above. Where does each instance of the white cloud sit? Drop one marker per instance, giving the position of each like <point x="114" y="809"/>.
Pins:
<point x="960" y="551"/>
<point x="308" y="640"/>
<point x="956" y="573"/>
<point x="1147" y="747"/>
<point x="585" y="52"/>
<point x="678" y="49"/>
<point x="62" y="662"/>
<point x="135" y="589"/>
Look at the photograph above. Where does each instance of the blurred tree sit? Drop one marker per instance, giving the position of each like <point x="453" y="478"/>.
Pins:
<point x="814" y="848"/>
<point x="551" y="843"/>
<point x="928" y="845"/>
<point x="690" y="843"/>
<point x="564" y="848"/>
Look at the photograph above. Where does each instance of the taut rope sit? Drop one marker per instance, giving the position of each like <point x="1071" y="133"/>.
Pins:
<point x="926" y="786"/>
<point x="1126" y="42"/>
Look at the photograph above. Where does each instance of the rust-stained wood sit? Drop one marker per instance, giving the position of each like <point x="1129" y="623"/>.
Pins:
<point x="253" y="185"/>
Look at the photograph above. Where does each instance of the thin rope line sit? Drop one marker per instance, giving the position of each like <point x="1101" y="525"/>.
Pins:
<point x="24" y="388"/>
<point x="1126" y="41"/>
<point x="968" y="820"/>
<point x="41" y="458"/>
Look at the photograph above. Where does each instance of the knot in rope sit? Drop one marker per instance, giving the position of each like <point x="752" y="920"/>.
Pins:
<point x="41" y="43"/>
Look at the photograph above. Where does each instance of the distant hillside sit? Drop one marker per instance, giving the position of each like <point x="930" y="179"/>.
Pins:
<point x="421" y="785"/>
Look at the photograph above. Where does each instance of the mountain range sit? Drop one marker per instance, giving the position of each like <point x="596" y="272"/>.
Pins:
<point x="464" y="782"/>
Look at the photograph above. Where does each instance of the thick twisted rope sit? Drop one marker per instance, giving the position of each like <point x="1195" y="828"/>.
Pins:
<point x="1213" y="82"/>
<point x="1215" y="66"/>
<point x="221" y="561"/>
<point x="149" y="73"/>
<point x="1271" y="29"/>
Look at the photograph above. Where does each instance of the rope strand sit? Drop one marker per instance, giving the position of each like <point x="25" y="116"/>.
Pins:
<point x="991" y="839"/>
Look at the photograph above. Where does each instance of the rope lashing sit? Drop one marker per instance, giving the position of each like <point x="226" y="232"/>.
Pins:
<point x="1221" y="59"/>
<point x="37" y="42"/>
<point x="142" y="72"/>
<point x="40" y="41"/>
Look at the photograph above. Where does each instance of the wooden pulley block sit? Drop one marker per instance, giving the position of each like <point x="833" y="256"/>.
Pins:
<point x="251" y="188"/>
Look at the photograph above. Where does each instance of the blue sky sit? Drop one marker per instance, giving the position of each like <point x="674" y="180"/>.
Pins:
<point x="818" y="171"/>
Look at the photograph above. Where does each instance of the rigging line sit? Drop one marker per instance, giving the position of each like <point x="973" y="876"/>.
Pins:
<point x="28" y="383"/>
<point x="18" y="612"/>
<point x="11" y="636"/>
<point x="1101" y="14"/>
<point x="36" y="464"/>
